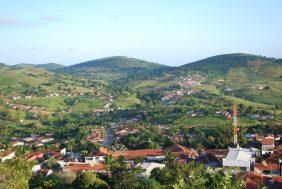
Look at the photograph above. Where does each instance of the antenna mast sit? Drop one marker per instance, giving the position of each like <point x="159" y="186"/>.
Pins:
<point x="235" y="123"/>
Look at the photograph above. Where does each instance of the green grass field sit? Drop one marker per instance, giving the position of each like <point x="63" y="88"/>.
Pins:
<point x="80" y="104"/>
<point x="127" y="102"/>
<point x="257" y="84"/>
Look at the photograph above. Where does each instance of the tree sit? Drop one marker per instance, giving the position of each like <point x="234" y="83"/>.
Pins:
<point x="89" y="180"/>
<point x="52" y="163"/>
<point x="15" y="174"/>
<point x="108" y="164"/>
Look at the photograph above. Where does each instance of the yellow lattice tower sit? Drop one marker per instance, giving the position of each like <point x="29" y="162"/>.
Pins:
<point x="235" y="123"/>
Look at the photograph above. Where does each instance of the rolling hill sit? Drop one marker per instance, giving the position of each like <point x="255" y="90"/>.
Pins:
<point x="223" y="63"/>
<point x="47" y="66"/>
<point x="251" y="77"/>
<point x="112" y="67"/>
<point x="2" y="65"/>
<point x="50" y="66"/>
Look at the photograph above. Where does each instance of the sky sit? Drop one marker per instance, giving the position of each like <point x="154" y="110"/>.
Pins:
<point x="171" y="32"/>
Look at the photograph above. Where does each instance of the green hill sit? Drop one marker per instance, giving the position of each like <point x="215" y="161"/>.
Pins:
<point x="14" y="81"/>
<point x="47" y="66"/>
<point x="24" y="65"/>
<point x="223" y="63"/>
<point x="50" y="66"/>
<point x="251" y="77"/>
<point x="2" y="65"/>
<point x="112" y="68"/>
<point x="259" y="84"/>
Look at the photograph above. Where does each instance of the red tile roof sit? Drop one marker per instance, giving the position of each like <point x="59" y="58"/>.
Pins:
<point x="217" y="152"/>
<point x="257" y="180"/>
<point x="267" y="167"/>
<point x="180" y="151"/>
<point x="277" y="179"/>
<point x="102" y="152"/>
<point x="268" y="141"/>
<point x="85" y="167"/>
<point x="133" y="154"/>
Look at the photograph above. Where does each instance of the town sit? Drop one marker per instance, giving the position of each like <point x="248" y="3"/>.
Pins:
<point x="258" y="165"/>
<point x="140" y="94"/>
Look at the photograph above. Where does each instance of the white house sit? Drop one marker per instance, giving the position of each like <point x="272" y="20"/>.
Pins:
<point x="148" y="167"/>
<point x="239" y="157"/>
<point x="36" y="168"/>
<point x="17" y="143"/>
<point x="5" y="155"/>
<point x="92" y="160"/>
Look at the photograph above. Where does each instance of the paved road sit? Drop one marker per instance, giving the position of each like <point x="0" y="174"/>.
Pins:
<point x="109" y="137"/>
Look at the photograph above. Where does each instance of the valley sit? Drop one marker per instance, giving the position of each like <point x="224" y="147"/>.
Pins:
<point x="142" y="111"/>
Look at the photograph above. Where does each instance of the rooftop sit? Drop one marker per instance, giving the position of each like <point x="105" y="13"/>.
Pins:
<point x="239" y="154"/>
<point x="268" y="141"/>
<point x="84" y="167"/>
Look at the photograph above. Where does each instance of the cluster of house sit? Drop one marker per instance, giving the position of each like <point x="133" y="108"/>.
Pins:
<point x="124" y="127"/>
<point x="19" y="97"/>
<point x="258" y="167"/>
<point x="184" y="83"/>
<point x="261" y="117"/>
<point x="97" y="135"/>
<point x="31" y="141"/>
<point x="224" y="113"/>
<point x="173" y="96"/>
<point x="150" y="158"/>
<point x="48" y="95"/>
<point x="175" y="138"/>
<point x="263" y="166"/>
<point x="62" y="93"/>
<point x="187" y="82"/>
<point x="195" y="113"/>
<point x="29" y="108"/>
<point x="190" y="80"/>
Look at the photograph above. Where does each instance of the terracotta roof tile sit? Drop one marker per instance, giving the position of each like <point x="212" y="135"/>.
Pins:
<point x="84" y="167"/>
<point x="268" y="141"/>
<point x="179" y="150"/>
<point x="133" y="154"/>
<point x="267" y="167"/>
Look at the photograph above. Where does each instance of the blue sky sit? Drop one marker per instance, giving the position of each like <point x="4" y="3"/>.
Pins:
<point x="172" y="32"/>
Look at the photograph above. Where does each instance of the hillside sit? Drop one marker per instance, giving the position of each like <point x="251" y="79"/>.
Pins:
<point x="251" y="77"/>
<point x="47" y="66"/>
<point x="50" y="66"/>
<point x="39" y="84"/>
<point x="2" y="65"/>
<point x="259" y="84"/>
<point x="115" y="63"/>
<point x="112" y="68"/>
<point x="223" y="63"/>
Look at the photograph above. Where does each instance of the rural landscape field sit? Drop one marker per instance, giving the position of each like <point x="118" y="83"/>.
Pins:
<point x="118" y="121"/>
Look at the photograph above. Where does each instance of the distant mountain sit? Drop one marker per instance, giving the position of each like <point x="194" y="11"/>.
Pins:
<point x="50" y="66"/>
<point x="2" y="65"/>
<point x="112" y="68"/>
<point x="24" y="65"/>
<point x="223" y="63"/>
<point x="121" y="63"/>
<point x="47" y="66"/>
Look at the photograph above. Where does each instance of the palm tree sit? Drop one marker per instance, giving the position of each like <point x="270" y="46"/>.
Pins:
<point x="108" y="164"/>
<point x="169" y="157"/>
